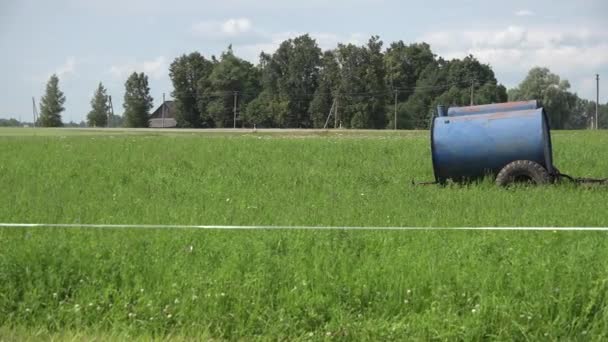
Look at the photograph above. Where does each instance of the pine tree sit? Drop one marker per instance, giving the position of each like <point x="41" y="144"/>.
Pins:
<point x="51" y="104"/>
<point x="100" y="109"/>
<point x="137" y="102"/>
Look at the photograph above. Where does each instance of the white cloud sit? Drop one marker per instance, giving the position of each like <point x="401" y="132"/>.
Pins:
<point x="239" y="29"/>
<point x="517" y="47"/>
<point x="569" y="52"/>
<point x="66" y="69"/>
<point x="249" y="41"/>
<point x="155" y="69"/>
<point x="164" y="8"/>
<point x="236" y="26"/>
<point x="270" y="42"/>
<point x="524" y="13"/>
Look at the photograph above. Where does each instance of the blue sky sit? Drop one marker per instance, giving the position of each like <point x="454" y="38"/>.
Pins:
<point x="88" y="41"/>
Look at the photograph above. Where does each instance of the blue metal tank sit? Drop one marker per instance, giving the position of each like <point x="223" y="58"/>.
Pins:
<point x="493" y="108"/>
<point x="471" y="146"/>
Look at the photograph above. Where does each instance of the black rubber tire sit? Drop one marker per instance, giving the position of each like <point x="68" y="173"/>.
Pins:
<point x="523" y="171"/>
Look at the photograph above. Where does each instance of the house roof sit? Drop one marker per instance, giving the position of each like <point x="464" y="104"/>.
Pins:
<point x="169" y="107"/>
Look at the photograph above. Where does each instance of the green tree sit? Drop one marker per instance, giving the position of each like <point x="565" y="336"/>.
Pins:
<point x="51" y="104"/>
<point x="404" y="64"/>
<point x="267" y="110"/>
<point x="541" y="84"/>
<point x="603" y="116"/>
<point x="188" y="74"/>
<point x="326" y="92"/>
<point x="9" y="123"/>
<point x="583" y="115"/>
<point x="468" y="77"/>
<point x="100" y="109"/>
<point x="117" y="121"/>
<point x="450" y="83"/>
<point x="291" y="73"/>
<point x="137" y="101"/>
<point x="363" y="91"/>
<point x="231" y="74"/>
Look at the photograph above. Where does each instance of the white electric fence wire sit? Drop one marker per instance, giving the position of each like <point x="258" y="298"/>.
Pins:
<point x="261" y="227"/>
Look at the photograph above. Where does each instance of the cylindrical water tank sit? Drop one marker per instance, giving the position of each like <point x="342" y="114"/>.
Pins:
<point x="471" y="146"/>
<point x="493" y="108"/>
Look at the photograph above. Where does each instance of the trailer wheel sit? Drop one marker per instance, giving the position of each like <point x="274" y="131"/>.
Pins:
<point x="523" y="171"/>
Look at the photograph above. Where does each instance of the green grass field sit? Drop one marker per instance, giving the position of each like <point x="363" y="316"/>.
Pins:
<point x="59" y="283"/>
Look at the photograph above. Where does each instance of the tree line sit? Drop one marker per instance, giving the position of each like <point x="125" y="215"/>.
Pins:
<point x="301" y="86"/>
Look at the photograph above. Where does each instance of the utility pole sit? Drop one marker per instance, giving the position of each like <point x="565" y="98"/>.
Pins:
<point x="108" y="116"/>
<point x="597" y="100"/>
<point x="34" y="111"/>
<point x="111" y="111"/>
<point x="163" y="111"/>
<point x="236" y="93"/>
<point x="396" y="109"/>
<point x="329" y="115"/>
<point x="336" y="114"/>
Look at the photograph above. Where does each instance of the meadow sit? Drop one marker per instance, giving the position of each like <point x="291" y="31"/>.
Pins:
<point x="68" y="283"/>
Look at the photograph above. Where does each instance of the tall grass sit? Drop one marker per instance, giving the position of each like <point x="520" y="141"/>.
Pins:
<point x="277" y="180"/>
<point x="292" y="284"/>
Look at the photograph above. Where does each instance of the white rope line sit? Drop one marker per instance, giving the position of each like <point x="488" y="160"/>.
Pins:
<point x="228" y="227"/>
